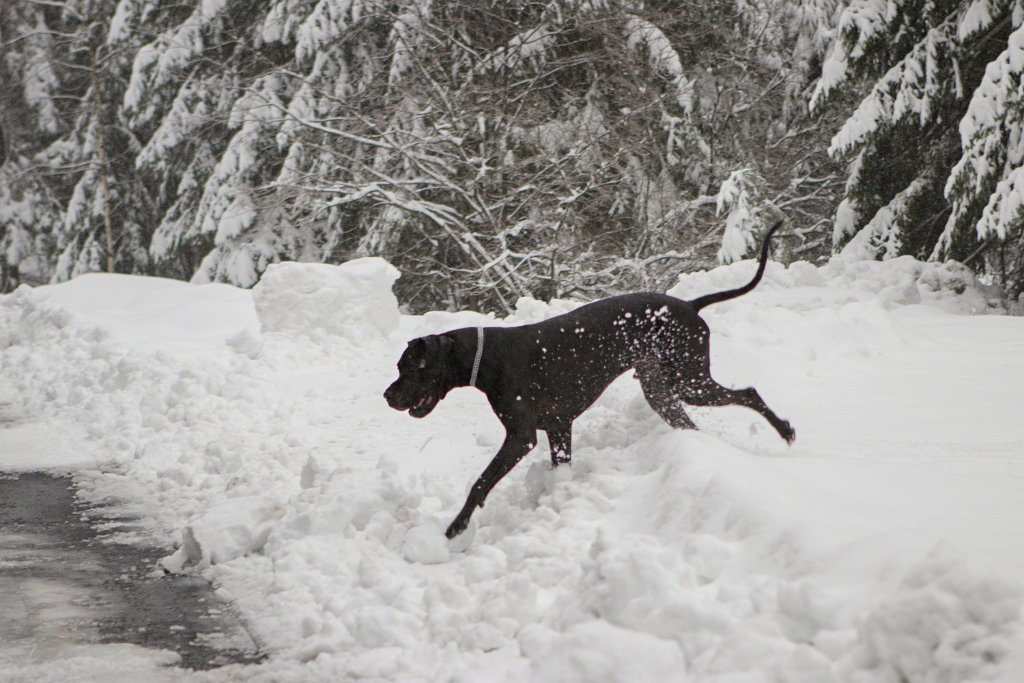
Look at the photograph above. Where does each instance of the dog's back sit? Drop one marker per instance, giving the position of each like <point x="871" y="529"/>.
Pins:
<point x="561" y="365"/>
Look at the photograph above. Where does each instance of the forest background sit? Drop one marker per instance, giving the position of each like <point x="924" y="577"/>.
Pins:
<point x="492" y="150"/>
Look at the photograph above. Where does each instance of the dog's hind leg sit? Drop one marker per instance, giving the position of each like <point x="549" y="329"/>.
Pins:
<point x="517" y="444"/>
<point x="698" y="388"/>
<point x="660" y="396"/>
<point x="560" y="438"/>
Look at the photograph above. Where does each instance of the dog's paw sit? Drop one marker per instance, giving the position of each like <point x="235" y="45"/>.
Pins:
<point x="461" y="542"/>
<point x="787" y="432"/>
<point x="457" y="526"/>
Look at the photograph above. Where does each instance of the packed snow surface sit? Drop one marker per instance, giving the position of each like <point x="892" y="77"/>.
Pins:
<point x="247" y="428"/>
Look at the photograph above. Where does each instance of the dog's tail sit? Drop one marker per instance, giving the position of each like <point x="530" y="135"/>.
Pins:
<point x="708" y="299"/>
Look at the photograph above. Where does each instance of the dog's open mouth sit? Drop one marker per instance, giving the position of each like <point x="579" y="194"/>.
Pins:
<point x="423" y="406"/>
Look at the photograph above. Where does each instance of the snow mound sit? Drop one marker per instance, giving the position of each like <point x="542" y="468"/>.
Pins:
<point x="599" y="651"/>
<point x="352" y="300"/>
<point x="426" y="544"/>
<point x="944" y="625"/>
<point x="802" y="286"/>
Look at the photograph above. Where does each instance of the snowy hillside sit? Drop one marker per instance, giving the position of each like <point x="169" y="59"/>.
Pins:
<point x="248" y="429"/>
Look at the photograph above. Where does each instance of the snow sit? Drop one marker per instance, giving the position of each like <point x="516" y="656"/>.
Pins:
<point x="294" y="297"/>
<point x="236" y="528"/>
<point x="236" y="219"/>
<point x="405" y="31"/>
<point x="142" y="66"/>
<point x="977" y="17"/>
<point x="882" y="235"/>
<point x="834" y="71"/>
<point x="859" y="22"/>
<point x="906" y="91"/>
<point x="324" y="24"/>
<point x="39" y="81"/>
<point x="186" y="114"/>
<point x="23" y="442"/>
<point x="662" y="56"/>
<point x="737" y="193"/>
<point x="249" y="429"/>
<point x="119" y="663"/>
<point x="527" y="47"/>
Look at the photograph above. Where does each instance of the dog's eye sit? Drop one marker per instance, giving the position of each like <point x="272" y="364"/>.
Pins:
<point x="422" y="364"/>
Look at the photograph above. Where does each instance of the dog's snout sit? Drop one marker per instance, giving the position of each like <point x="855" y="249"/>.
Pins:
<point x="389" y="395"/>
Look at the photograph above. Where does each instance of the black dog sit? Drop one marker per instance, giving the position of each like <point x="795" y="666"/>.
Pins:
<point x="542" y="376"/>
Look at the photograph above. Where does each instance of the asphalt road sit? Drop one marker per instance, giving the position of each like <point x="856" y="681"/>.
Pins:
<point x="64" y="578"/>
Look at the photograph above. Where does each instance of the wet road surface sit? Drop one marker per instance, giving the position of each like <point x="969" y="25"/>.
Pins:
<point x="66" y="582"/>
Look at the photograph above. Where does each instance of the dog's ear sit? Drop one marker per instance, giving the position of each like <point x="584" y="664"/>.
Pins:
<point x="416" y="351"/>
<point x="442" y="354"/>
<point x="438" y="348"/>
<point x="431" y="350"/>
<point x="445" y="344"/>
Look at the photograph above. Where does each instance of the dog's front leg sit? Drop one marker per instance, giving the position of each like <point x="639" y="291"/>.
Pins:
<point x="517" y="444"/>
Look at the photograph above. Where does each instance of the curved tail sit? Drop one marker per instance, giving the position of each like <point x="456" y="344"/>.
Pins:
<point x="708" y="299"/>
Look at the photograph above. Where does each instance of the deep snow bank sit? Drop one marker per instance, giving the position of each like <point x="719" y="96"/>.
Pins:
<point x="250" y="429"/>
<point x="311" y="298"/>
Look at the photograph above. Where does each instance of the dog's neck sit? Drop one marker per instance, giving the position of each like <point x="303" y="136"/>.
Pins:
<point x="467" y="345"/>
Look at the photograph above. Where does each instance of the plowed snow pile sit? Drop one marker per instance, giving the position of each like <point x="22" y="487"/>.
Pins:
<point x="248" y="429"/>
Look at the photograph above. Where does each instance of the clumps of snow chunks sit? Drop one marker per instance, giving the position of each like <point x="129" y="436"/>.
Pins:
<point x="49" y="362"/>
<point x="236" y="527"/>
<point x="944" y="624"/>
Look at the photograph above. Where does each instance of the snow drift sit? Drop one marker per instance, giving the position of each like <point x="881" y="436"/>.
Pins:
<point x="351" y="300"/>
<point x="249" y="430"/>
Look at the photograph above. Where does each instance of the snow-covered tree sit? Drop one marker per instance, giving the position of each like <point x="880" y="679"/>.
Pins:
<point x="559" y="148"/>
<point x="76" y="167"/>
<point x="986" y="187"/>
<point x="184" y="80"/>
<point x="29" y="209"/>
<point x="935" y="138"/>
<point x="505" y="148"/>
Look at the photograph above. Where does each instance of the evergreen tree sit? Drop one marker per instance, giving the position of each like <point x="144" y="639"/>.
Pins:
<point x="68" y="188"/>
<point x="30" y="210"/>
<point x="935" y="138"/>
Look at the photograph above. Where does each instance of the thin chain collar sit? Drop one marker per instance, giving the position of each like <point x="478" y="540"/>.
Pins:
<point x="479" y="355"/>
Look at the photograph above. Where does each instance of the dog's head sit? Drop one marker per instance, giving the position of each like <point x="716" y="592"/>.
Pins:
<point x="423" y="370"/>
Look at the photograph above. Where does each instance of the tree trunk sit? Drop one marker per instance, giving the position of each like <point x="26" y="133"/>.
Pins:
<point x="104" y="166"/>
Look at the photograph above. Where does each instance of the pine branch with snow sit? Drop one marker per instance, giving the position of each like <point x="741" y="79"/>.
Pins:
<point x="937" y="136"/>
